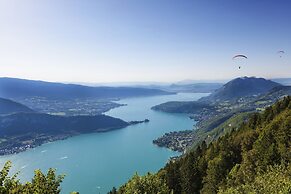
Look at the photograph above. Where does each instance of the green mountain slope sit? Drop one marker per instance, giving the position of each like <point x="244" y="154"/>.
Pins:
<point x="211" y="113"/>
<point x="21" y="131"/>
<point x="238" y="93"/>
<point x="183" y="107"/>
<point x="241" y="87"/>
<point x="258" y="152"/>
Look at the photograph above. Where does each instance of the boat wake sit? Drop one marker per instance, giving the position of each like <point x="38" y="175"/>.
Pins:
<point x="24" y="166"/>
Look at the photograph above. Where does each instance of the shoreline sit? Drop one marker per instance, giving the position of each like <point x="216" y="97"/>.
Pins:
<point x="37" y="142"/>
<point x="177" y="141"/>
<point x="45" y="139"/>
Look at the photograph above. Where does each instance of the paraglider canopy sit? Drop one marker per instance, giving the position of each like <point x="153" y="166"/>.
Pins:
<point x="281" y="53"/>
<point x="239" y="57"/>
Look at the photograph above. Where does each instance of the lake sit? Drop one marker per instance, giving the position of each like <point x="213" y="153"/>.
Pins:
<point x="94" y="163"/>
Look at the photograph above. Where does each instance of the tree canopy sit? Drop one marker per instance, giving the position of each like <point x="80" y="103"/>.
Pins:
<point x="41" y="183"/>
<point x="255" y="158"/>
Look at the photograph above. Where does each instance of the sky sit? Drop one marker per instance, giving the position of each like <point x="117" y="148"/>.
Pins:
<point x="144" y="40"/>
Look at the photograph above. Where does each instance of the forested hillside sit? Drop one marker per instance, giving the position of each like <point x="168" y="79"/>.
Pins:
<point x="8" y="107"/>
<point x="255" y="158"/>
<point x="22" y="131"/>
<point x="248" y="86"/>
<point x="49" y="183"/>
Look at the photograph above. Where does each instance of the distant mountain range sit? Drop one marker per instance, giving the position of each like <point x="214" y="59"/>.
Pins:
<point x="187" y="88"/>
<point x="9" y="107"/>
<point x="193" y="81"/>
<point x="240" y="93"/>
<point x="241" y="87"/>
<point x="195" y="87"/>
<point x="283" y="81"/>
<point x="21" y="88"/>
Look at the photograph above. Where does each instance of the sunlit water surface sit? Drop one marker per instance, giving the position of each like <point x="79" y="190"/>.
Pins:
<point x="94" y="163"/>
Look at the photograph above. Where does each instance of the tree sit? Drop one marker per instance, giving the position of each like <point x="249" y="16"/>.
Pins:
<point x="113" y="191"/>
<point x="41" y="183"/>
<point x="255" y="158"/>
<point x="150" y="183"/>
<point x="277" y="179"/>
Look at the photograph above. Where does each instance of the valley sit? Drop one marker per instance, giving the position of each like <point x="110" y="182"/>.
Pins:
<point x="69" y="107"/>
<point x="99" y="150"/>
<point x="145" y="97"/>
<point x="39" y="112"/>
<point x="222" y="106"/>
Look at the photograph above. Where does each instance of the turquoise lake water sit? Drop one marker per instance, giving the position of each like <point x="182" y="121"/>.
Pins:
<point x="94" y="163"/>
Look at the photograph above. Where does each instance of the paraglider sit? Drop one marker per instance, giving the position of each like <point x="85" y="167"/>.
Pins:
<point x="239" y="57"/>
<point x="281" y="53"/>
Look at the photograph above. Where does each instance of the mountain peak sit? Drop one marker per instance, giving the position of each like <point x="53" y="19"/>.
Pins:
<point x="242" y="87"/>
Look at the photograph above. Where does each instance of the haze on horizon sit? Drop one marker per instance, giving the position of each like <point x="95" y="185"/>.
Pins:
<point x="140" y="41"/>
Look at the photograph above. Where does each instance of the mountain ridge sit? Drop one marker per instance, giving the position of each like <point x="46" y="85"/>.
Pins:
<point x="252" y="158"/>
<point x="241" y="87"/>
<point x="15" y="88"/>
<point x="21" y="131"/>
<point x="228" y="92"/>
<point x="8" y="106"/>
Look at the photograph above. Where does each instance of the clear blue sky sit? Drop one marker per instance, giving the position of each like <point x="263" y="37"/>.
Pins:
<point x="143" y="40"/>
